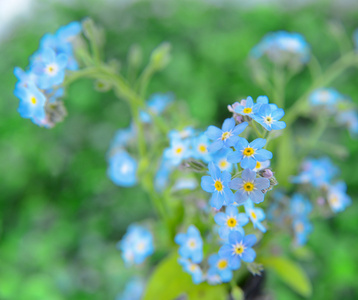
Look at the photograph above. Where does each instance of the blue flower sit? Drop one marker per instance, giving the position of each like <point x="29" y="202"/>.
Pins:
<point x="32" y="102"/>
<point x="220" y="159"/>
<point x="221" y="267"/>
<point x="249" y="154"/>
<point x="230" y="221"/>
<point x="212" y="277"/>
<point x="121" y="139"/>
<point x="248" y="186"/>
<point x="193" y="269"/>
<point x="302" y="228"/>
<point x="156" y="104"/>
<point x="133" y="290"/>
<point x="218" y="184"/>
<point x="238" y="248"/>
<point x="246" y="107"/>
<point x="256" y="215"/>
<point x="50" y="68"/>
<point x="349" y="118"/>
<point x="122" y="169"/>
<point x="182" y="134"/>
<point x="337" y="197"/>
<point x="25" y="78"/>
<point x="200" y="146"/>
<point x="191" y="244"/>
<point x="136" y="245"/>
<point x="161" y="179"/>
<point x="300" y="206"/>
<point x="325" y="97"/>
<point x="178" y="151"/>
<point x="227" y="136"/>
<point x="269" y="117"/>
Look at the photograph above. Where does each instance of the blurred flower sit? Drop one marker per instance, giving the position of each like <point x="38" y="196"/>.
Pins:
<point x="218" y="184"/>
<point x="256" y="215"/>
<point x="269" y="117"/>
<point x="156" y="104"/>
<point x="122" y="169"/>
<point x="133" y="290"/>
<point x="302" y="228"/>
<point x="337" y="197"/>
<point x="191" y="244"/>
<point x="325" y="97"/>
<point x="300" y="206"/>
<point x="248" y="154"/>
<point x="200" y="146"/>
<point x="220" y="266"/>
<point x="238" y="248"/>
<point x="178" y="151"/>
<point x="193" y="269"/>
<point x="349" y="118"/>
<point x="246" y="108"/>
<point x="220" y="159"/>
<point x="136" y="245"/>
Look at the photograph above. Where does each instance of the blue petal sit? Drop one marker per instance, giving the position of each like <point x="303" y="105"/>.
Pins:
<point x="197" y="256"/>
<point x="207" y="184"/>
<point x="226" y="275"/>
<point x="261" y="183"/>
<point x="278" y="114"/>
<point x="257" y="196"/>
<point x="240" y="128"/>
<point x="231" y="141"/>
<point x="235" y="157"/>
<point x="248" y="163"/>
<point x="235" y="237"/>
<point x="258" y="143"/>
<point x="224" y="232"/>
<point x="278" y="125"/>
<point x="180" y="238"/>
<point x="220" y="219"/>
<point x="234" y="262"/>
<point x="263" y="154"/>
<point x="242" y="219"/>
<point x="231" y="211"/>
<point x="236" y="183"/>
<point x="229" y="196"/>
<point x="213" y="259"/>
<point x="240" y="197"/>
<point x="248" y="175"/>
<point x="250" y="240"/>
<point x="241" y="144"/>
<point x="216" y="200"/>
<point x="213" y="132"/>
<point x="248" y="255"/>
<point x="249" y="102"/>
<point x="216" y="146"/>
<point x="225" y="251"/>
<point x="228" y="124"/>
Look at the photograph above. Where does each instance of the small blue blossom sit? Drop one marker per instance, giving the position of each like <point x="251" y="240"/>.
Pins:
<point x="238" y="248"/>
<point x="200" y="146"/>
<point x="191" y="244"/>
<point x="269" y="117"/>
<point x="302" y="228"/>
<point x="230" y="221"/>
<point x="178" y="151"/>
<point x="156" y="104"/>
<point x="248" y="154"/>
<point x="50" y="68"/>
<point x="193" y="269"/>
<point x="337" y="197"/>
<point x="182" y="134"/>
<point x="213" y="277"/>
<point x="227" y="136"/>
<point x="349" y="118"/>
<point x="246" y="107"/>
<point x="256" y="215"/>
<point x="260" y="165"/>
<point x="218" y="184"/>
<point x="133" y="290"/>
<point x="122" y="169"/>
<point x="161" y="179"/>
<point x="264" y="100"/>
<point x="136" y="245"/>
<point x="220" y="159"/>
<point x="248" y="186"/>
<point x="325" y="97"/>
<point x="185" y="184"/>
<point x="300" y="206"/>
<point x="121" y="139"/>
<point x="220" y="266"/>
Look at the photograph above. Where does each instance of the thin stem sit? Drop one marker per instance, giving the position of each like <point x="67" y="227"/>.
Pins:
<point x="252" y="124"/>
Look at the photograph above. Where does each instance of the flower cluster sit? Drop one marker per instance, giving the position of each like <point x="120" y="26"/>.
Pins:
<point x="39" y="87"/>
<point x="283" y="48"/>
<point x="136" y="245"/>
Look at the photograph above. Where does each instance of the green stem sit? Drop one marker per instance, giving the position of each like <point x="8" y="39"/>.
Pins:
<point x="252" y="124"/>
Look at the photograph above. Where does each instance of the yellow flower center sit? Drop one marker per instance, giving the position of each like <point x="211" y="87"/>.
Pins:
<point x="258" y="165"/>
<point x="193" y="267"/>
<point x="33" y="100"/>
<point x="192" y="243"/>
<point x="202" y="148"/>
<point x="248" y="186"/>
<point x="222" y="264"/>
<point x="226" y="135"/>
<point x="179" y="150"/>
<point x="249" y="151"/>
<point x="247" y="110"/>
<point x="253" y="215"/>
<point x="333" y="199"/>
<point x="223" y="164"/>
<point x="231" y="222"/>
<point x="268" y="120"/>
<point x="218" y="185"/>
<point x="239" y="249"/>
<point x="299" y="227"/>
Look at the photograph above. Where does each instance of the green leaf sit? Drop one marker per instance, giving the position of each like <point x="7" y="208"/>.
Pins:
<point x="168" y="281"/>
<point x="237" y="293"/>
<point x="291" y="273"/>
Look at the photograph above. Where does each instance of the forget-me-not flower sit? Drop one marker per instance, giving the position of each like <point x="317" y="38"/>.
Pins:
<point x="256" y="215"/>
<point x="193" y="269"/>
<point x="337" y="197"/>
<point x="220" y="266"/>
<point x="191" y="244"/>
<point x="122" y="169"/>
<point x="269" y="117"/>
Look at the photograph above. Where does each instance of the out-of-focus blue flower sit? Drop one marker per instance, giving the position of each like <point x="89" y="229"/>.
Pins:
<point x="191" y="244"/>
<point x="133" y="290"/>
<point x="227" y="136"/>
<point x="248" y="154"/>
<point x="220" y="159"/>
<point x="317" y="172"/>
<point x="256" y="215"/>
<point x="156" y="104"/>
<point x="123" y="136"/>
<point x="248" y="186"/>
<point x="238" y="248"/>
<point x="218" y="184"/>
<point x="212" y="277"/>
<point x="136" y="245"/>
<point x="246" y="107"/>
<point x="300" y="206"/>
<point x="283" y="48"/>
<point x="178" y="151"/>
<point x="32" y="102"/>
<point x="182" y="134"/>
<point x="302" y="228"/>
<point x="200" y="146"/>
<point x="229" y="221"/>
<point x="122" y="169"/>
<point x="185" y="184"/>
<point x="337" y="197"/>
<point x="193" y="269"/>
<point x="221" y="267"/>
<point x="349" y="118"/>
<point x="269" y="117"/>
<point x="260" y="165"/>
<point x="25" y="78"/>
<point x="50" y="68"/>
<point x="325" y="97"/>
<point x="161" y="179"/>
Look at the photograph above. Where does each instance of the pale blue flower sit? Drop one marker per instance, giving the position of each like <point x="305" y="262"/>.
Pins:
<point x="122" y="169"/>
<point x="193" y="269"/>
<point x="191" y="244"/>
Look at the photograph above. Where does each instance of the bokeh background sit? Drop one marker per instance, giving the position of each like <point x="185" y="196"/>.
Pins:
<point x="60" y="216"/>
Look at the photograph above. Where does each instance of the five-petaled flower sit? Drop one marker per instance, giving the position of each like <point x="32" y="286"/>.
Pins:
<point x="191" y="244"/>
<point x="220" y="266"/>
<point x="269" y="117"/>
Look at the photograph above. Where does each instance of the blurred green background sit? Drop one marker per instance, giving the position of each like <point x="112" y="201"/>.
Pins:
<point x="60" y="216"/>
